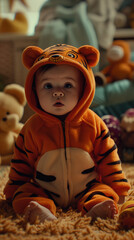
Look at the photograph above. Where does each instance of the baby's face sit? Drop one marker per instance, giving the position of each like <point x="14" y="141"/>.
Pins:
<point x="59" y="89"/>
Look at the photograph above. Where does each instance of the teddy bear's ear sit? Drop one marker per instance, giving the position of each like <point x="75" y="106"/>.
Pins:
<point x="91" y="54"/>
<point x="16" y="91"/>
<point x="30" y="54"/>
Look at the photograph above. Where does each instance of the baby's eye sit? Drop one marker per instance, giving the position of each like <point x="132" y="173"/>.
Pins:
<point x="68" y="85"/>
<point x="48" y="86"/>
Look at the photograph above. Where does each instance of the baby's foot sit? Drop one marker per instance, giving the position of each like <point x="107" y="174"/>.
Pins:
<point x="34" y="210"/>
<point x="104" y="209"/>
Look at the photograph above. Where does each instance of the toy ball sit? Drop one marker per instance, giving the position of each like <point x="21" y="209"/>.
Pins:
<point x="113" y="125"/>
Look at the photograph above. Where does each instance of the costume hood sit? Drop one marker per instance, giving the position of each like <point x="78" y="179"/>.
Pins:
<point x="82" y="58"/>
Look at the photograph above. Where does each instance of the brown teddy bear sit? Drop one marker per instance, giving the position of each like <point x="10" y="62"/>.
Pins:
<point x="12" y="102"/>
<point x="120" y="67"/>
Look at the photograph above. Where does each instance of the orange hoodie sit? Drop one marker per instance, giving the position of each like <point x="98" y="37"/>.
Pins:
<point x="65" y="157"/>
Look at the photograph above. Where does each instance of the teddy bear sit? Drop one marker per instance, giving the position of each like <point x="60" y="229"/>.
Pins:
<point x="122" y="131"/>
<point x="120" y="67"/>
<point x="12" y="102"/>
<point x="18" y="25"/>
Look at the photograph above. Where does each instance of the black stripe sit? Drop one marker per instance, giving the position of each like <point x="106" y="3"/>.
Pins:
<point x="118" y="172"/>
<point x="84" y="63"/>
<point x="106" y="136"/>
<point x="49" y="193"/>
<point x="50" y="196"/>
<point x="19" y="161"/>
<point x="34" y="195"/>
<point x="114" y="163"/>
<point x="21" y="135"/>
<point x="89" y="170"/>
<point x="20" y="150"/>
<point x="88" y="186"/>
<point x="22" y="174"/>
<point x="121" y="180"/>
<point x="85" y="209"/>
<point x="28" y="150"/>
<point x="93" y="194"/>
<point x="56" y="51"/>
<point x="16" y="194"/>
<point x="106" y="153"/>
<point x="45" y="178"/>
<point x="14" y="182"/>
<point x="74" y="52"/>
<point x="101" y="134"/>
<point x="35" y="184"/>
<point x="110" y="197"/>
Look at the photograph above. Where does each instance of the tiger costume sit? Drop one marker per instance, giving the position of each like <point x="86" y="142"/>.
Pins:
<point x="70" y="162"/>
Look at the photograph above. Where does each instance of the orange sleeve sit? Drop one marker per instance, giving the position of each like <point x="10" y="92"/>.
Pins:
<point x="22" y="164"/>
<point x="107" y="160"/>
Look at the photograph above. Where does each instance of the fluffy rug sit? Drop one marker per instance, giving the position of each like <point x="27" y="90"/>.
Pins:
<point x="69" y="225"/>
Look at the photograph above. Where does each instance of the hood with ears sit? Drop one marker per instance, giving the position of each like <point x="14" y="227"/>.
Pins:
<point x="82" y="58"/>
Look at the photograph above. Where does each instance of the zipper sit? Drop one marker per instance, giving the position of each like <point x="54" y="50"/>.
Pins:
<point x="63" y="127"/>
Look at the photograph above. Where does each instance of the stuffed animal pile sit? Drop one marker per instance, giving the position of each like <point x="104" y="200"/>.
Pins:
<point x="12" y="102"/>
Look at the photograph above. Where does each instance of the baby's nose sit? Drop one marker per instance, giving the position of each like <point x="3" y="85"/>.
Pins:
<point x="58" y="94"/>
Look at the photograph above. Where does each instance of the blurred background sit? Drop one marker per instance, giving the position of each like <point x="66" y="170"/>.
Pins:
<point x="31" y="11"/>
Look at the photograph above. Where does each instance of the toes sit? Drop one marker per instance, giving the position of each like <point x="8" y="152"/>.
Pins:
<point x="33" y="204"/>
<point x="106" y="209"/>
<point x="111" y="209"/>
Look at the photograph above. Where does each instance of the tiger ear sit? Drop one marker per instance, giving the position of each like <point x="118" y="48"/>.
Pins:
<point x="30" y="54"/>
<point x="91" y="54"/>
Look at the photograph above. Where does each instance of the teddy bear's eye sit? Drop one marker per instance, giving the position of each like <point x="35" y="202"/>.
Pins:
<point x="7" y="113"/>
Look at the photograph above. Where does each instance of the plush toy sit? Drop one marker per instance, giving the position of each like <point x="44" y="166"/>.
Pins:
<point x="123" y="133"/>
<point x="127" y="128"/>
<point x="12" y="102"/>
<point x="120" y="67"/>
<point x="18" y="25"/>
<point x="113" y="125"/>
<point x="126" y="215"/>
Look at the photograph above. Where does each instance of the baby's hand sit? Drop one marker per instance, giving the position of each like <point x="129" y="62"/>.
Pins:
<point x="121" y="199"/>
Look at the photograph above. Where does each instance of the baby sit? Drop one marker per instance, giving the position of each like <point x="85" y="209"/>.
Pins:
<point x="64" y="155"/>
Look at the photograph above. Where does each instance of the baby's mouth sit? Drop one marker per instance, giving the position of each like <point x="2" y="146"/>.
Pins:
<point x="58" y="104"/>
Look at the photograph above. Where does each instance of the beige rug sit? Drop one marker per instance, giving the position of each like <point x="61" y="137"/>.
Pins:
<point x="69" y="226"/>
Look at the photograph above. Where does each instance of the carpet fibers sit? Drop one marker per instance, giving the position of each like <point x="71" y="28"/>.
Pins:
<point x="69" y="225"/>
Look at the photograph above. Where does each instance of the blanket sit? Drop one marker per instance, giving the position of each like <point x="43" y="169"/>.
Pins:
<point x="114" y="98"/>
<point x="59" y="23"/>
<point x="77" y="22"/>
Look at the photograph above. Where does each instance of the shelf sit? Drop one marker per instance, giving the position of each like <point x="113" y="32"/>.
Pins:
<point x="125" y="34"/>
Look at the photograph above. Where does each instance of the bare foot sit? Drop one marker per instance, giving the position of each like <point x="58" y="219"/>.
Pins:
<point x="104" y="209"/>
<point x="34" y="210"/>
